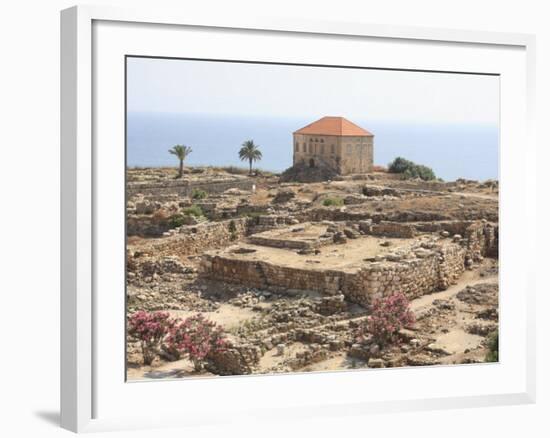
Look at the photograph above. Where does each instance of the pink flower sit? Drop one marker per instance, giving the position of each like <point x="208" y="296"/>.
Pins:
<point x="388" y="316"/>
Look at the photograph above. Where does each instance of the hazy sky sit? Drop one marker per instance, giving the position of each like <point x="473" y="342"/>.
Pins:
<point x="180" y="86"/>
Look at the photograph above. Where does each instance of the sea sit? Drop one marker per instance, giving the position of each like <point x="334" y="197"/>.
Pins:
<point x="453" y="151"/>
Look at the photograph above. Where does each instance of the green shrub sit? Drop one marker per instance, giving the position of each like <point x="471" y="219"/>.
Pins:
<point x="177" y="221"/>
<point x="198" y="194"/>
<point x="408" y="169"/>
<point x="328" y="202"/>
<point x="492" y="355"/>
<point x="194" y="210"/>
<point x="399" y="165"/>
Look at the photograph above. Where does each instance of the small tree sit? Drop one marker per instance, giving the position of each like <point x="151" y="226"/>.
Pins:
<point x="197" y="337"/>
<point x="388" y="315"/>
<point x="149" y="328"/>
<point x="181" y="151"/>
<point x="408" y="169"/>
<point x="250" y="152"/>
<point x="399" y="165"/>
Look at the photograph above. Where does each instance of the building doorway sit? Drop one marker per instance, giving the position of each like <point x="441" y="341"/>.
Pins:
<point x="311" y="162"/>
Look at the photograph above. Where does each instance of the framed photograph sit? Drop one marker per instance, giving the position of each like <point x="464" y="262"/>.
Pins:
<point x="284" y="218"/>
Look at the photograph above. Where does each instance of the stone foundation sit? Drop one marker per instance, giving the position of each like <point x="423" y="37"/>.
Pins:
<point x="194" y="239"/>
<point x="422" y="268"/>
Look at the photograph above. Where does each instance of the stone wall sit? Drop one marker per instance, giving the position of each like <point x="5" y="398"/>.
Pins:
<point x="194" y="239"/>
<point x="186" y="187"/>
<point x="320" y="214"/>
<point x="433" y="270"/>
<point x="393" y="229"/>
<point x="261" y="223"/>
<point x="437" y="270"/>
<point x="234" y="360"/>
<point x="482" y="240"/>
<point x="146" y="225"/>
<point x="262" y="274"/>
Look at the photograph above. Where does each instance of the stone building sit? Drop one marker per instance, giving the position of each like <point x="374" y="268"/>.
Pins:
<point x="334" y="142"/>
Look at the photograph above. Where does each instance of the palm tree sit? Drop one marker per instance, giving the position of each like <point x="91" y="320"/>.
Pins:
<point x="181" y="151"/>
<point x="251" y="152"/>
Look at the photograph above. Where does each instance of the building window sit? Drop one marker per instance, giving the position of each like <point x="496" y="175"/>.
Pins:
<point x="331" y="148"/>
<point x="310" y="149"/>
<point x="349" y="149"/>
<point x="297" y="148"/>
<point x="304" y="147"/>
<point x="322" y="141"/>
<point x="322" y="149"/>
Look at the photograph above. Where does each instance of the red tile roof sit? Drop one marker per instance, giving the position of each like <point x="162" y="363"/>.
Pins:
<point x="334" y="126"/>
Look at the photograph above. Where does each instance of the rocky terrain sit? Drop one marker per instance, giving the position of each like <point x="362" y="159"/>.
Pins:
<point x="289" y="270"/>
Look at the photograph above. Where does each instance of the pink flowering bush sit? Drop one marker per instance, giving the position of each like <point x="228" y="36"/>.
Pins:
<point x="388" y="315"/>
<point x="150" y="329"/>
<point x="196" y="336"/>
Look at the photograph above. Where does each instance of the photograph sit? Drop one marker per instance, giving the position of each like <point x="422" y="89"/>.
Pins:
<point x="294" y="218"/>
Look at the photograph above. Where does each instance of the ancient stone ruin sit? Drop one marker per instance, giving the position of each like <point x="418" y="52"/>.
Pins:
<point x="290" y="270"/>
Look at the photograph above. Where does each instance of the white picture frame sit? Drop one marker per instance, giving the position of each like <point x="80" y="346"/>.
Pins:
<point x="90" y="38"/>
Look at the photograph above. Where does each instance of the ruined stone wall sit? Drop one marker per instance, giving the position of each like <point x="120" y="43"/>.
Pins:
<point x="335" y="214"/>
<point x="283" y="243"/>
<point x="435" y="270"/>
<point x="414" y="278"/>
<point x="393" y="229"/>
<point x="234" y="360"/>
<point x="232" y="270"/>
<point x="482" y="239"/>
<point x="261" y="223"/>
<point x="146" y="225"/>
<point x="185" y="188"/>
<point x="262" y="274"/>
<point x="194" y="239"/>
<point x="453" y="227"/>
<point x="451" y="265"/>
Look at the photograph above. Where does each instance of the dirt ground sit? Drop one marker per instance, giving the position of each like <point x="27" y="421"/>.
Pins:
<point x="348" y="257"/>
